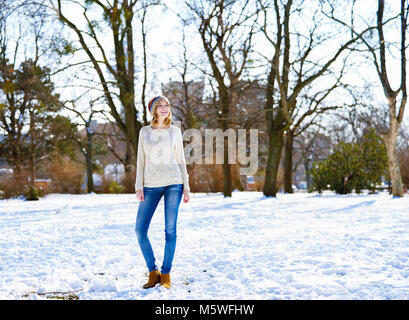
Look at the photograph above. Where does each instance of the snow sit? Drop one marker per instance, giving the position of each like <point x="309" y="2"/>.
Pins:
<point x="295" y="246"/>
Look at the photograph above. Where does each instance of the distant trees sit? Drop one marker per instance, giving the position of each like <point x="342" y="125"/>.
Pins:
<point x="185" y="94"/>
<point x="86" y="143"/>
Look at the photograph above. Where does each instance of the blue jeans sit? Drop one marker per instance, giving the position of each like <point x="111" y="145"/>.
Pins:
<point x="173" y="195"/>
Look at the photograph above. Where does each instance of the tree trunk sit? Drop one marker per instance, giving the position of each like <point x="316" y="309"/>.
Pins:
<point x="32" y="149"/>
<point x="276" y="141"/>
<point x="288" y="162"/>
<point x="145" y="70"/>
<point x="88" y="160"/>
<point x="19" y="176"/>
<point x="307" y="169"/>
<point x="395" y="119"/>
<point x="227" y="176"/>
<point x="32" y="172"/>
<point x="393" y="163"/>
<point x="227" y="181"/>
<point x="129" y="184"/>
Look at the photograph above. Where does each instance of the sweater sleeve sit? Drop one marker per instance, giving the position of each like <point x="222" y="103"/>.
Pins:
<point x="140" y="163"/>
<point x="180" y="158"/>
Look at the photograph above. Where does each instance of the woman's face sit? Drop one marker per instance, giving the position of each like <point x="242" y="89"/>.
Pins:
<point x="162" y="110"/>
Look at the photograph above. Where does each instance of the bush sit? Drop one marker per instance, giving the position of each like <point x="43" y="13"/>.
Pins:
<point x="66" y="174"/>
<point x="13" y="185"/>
<point x="32" y="194"/>
<point x="114" y="187"/>
<point x="352" y="166"/>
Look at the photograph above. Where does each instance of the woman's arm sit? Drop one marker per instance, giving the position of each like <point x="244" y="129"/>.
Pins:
<point x="180" y="158"/>
<point x="140" y="162"/>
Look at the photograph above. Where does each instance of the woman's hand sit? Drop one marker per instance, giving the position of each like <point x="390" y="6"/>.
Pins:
<point x="186" y="196"/>
<point x="139" y="195"/>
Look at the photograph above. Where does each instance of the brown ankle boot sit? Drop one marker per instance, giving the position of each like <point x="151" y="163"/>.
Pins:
<point x="154" y="278"/>
<point x="165" y="280"/>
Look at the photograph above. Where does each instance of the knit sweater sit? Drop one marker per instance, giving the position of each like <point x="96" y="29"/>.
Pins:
<point x="161" y="158"/>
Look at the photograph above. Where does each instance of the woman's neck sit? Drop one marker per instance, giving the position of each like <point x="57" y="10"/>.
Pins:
<point x="160" y="126"/>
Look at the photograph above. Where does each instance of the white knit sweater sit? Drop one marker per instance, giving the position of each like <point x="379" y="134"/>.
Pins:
<point x="161" y="158"/>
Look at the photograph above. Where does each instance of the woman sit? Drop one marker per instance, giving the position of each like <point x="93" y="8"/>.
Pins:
<point x="161" y="171"/>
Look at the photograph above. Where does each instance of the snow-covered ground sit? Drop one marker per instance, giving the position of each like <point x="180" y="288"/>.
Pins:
<point x="300" y="246"/>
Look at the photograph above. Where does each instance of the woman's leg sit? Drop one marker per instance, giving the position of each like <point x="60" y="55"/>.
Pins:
<point x="146" y="210"/>
<point x="173" y="196"/>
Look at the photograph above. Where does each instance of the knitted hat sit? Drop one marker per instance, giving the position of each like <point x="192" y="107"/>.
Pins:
<point x="155" y="102"/>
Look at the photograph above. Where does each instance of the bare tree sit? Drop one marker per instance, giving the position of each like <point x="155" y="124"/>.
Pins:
<point x="116" y="18"/>
<point x="143" y="15"/>
<point x="310" y="146"/>
<point x="226" y="29"/>
<point x="85" y="143"/>
<point x="396" y="107"/>
<point x="308" y="113"/>
<point x="377" y="46"/>
<point x="293" y="66"/>
<point x="186" y="93"/>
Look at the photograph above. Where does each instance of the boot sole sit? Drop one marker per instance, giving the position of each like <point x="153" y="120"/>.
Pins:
<point x="150" y="286"/>
<point x="146" y="286"/>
